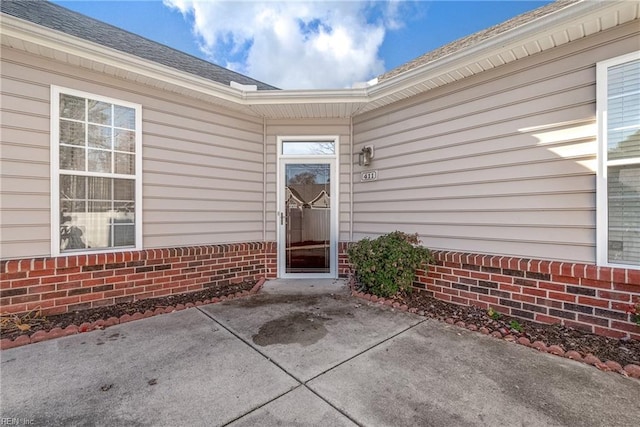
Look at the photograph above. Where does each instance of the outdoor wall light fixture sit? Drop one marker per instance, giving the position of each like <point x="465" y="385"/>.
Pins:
<point x="365" y="155"/>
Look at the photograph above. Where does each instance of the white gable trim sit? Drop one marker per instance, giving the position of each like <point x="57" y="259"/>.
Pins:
<point x="573" y="22"/>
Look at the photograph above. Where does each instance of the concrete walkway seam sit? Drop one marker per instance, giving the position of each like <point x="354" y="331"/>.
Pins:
<point x="262" y="405"/>
<point x="301" y="383"/>
<point x="366" y="350"/>
<point x="304" y="383"/>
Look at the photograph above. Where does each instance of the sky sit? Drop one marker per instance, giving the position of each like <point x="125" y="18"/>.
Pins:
<point x="298" y="44"/>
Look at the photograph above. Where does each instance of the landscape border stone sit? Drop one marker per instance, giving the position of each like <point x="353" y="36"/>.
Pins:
<point x="6" y="343"/>
<point x="630" y="370"/>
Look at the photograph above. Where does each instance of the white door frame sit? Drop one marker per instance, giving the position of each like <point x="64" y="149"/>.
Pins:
<point x="332" y="161"/>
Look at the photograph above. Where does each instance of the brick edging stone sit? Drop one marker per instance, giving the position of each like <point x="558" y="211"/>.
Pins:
<point x="38" y="336"/>
<point x="630" y="370"/>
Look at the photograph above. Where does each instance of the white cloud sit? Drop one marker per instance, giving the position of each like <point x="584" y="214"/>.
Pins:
<point x="294" y="44"/>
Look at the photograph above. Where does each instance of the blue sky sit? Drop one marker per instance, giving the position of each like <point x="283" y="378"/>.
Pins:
<point x="300" y="44"/>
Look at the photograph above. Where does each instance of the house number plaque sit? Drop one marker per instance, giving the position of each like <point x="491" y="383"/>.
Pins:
<point x="369" y="176"/>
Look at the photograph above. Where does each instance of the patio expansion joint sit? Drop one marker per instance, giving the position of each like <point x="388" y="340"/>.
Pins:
<point x="300" y="382"/>
<point x="364" y="351"/>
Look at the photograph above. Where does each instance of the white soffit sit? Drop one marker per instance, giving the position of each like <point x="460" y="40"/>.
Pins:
<point x="573" y="22"/>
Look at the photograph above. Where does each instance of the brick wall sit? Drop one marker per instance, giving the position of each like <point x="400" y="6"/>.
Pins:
<point x="583" y="296"/>
<point x="344" y="267"/>
<point x="77" y="282"/>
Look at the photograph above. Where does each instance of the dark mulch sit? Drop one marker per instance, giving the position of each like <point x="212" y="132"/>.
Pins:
<point x="46" y="323"/>
<point x="623" y="351"/>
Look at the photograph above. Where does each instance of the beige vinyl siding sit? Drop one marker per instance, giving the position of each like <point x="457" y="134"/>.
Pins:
<point x="312" y="127"/>
<point x="202" y="165"/>
<point x="24" y="166"/>
<point x="500" y="163"/>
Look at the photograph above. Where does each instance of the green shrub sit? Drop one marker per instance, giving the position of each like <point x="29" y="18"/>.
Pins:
<point x="388" y="264"/>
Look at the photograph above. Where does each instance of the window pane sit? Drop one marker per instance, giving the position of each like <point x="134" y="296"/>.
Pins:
<point x="72" y="107"/>
<point x="125" y="163"/>
<point x="99" y="188"/>
<point x="97" y="224"/>
<point x="317" y="148"/>
<point x="125" y="211"/>
<point x="624" y="214"/>
<point x="71" y="133"/>
<point x="99" y="161"/>
<point x="624" y="78"/>
<point x="124" y="189"/>
<point x="71" y="207"/>
<point x="125" y="117"/>
<point x="623" y="111"/>
<point x="624" y="143"/>
<point x="72" y="235"/>
<point x="73" y="187"/>
<point x="99" y="136"/>
<point x="99" y="112"/>
<point x="125" y="140"/>
<point x="124" y="234"/>
<point x="72" y="158"/>
<point x="99" y="207"/>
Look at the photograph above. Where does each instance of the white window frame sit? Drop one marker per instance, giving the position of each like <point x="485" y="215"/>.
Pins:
<point x="602" y="197"/>
<point x="55" y="171"/>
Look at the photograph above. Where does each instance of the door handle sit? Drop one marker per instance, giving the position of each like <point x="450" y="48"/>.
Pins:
<point x="281" y="218"/>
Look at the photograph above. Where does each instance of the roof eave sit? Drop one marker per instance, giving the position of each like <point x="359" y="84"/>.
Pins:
<point x="585" y="18"/>
<point x="39" y="40"/>
<point x="43" y="41"/>
<point x="572" y="22"/>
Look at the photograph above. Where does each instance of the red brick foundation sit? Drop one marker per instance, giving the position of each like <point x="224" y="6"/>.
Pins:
<point x="344" y="267"/>
<point x="78" y="282"/>
<point x="591" y="298"/>
<point x="583" y="296"/>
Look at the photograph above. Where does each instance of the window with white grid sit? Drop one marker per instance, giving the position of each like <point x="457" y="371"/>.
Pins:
<point x="96" y="165"/>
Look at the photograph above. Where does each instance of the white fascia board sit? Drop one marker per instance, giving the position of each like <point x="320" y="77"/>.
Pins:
<point x="290" y="96"/>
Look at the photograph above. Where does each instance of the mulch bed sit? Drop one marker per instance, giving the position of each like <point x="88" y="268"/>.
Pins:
<point x="624" y="351"/>
<point x="46" y="323"/>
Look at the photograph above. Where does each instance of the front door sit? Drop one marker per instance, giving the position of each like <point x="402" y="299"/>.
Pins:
<point x="306" y="216"/>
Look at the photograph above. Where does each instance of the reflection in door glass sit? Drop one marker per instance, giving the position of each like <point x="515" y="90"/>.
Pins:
<point x="308" y="218"/>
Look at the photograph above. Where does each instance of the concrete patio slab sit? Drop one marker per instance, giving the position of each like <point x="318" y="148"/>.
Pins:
<point x="299" y="407"/>
<point x="302" y="356"/>
<point x="174" y="369"/>
<point x="440" y="375"/>
<point x="306" y="330"/>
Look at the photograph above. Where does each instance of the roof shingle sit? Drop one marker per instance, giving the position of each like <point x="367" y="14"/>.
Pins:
<point x="64" y="20"/>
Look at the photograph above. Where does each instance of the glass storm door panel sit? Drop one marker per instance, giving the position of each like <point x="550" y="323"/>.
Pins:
<point x="307" y="218"/>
